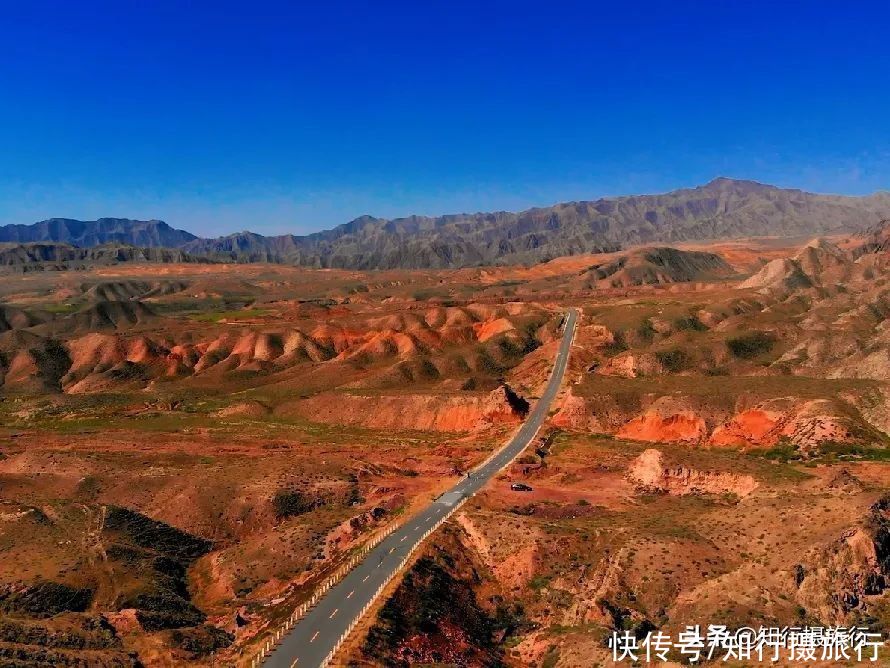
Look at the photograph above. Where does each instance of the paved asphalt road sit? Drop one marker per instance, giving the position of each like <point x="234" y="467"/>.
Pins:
<point x="314" y="636"/>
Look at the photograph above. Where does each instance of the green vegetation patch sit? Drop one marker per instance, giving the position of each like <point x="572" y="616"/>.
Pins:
<point x="239" y="314"/>
<point x="291" y="503"/>
<point x="675" y="360"/>
<point x="63" y="309"/>
<point x="749" y="346"/>
<point x="691" y="322"/>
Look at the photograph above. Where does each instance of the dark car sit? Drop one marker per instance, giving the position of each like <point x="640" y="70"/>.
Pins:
<point x="520" y="487"/>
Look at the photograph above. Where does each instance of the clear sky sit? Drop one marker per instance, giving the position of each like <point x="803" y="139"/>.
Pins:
<point x="293" y="117"/>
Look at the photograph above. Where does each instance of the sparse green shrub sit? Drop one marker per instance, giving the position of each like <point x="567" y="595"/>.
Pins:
<point x="618" y="344"/>
<point x="291" y="502"/>
<point x="428" y="369"/>
<point x="128" y="371"/>
<point x="202" y="640"/>
<point x="691" y="322"/>
<point x="551" y="658"/>
<point x="784" y="451"/>
<point x="487" y="364"/>
<point x="674" y="361"/>
<point x="646" y="331"/>
<point x="361" y="359"/>
<point x="749" y="346"/>
<point x="214" y="356"/>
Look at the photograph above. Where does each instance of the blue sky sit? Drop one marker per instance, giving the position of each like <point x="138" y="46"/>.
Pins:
<point x="293" y="117"/>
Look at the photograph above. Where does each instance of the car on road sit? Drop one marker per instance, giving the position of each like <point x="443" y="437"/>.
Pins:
<point x="520" y="487"/>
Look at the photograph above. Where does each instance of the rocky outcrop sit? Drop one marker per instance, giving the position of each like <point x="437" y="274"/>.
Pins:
<point x="838" y="584"/>
<point x="755" y="426"/>
<point x="15" y="318"/>
<point x="631" y="365"/>
<point x="423" y="412"/>
<point x="128" y="290"/>
<point x="112" y="315"/>
<point x="656" y="427"/>
<point x="818" y="263"/>
<point x="781" y="273"/>
<point x="667" y="419"/>
<point x="656" y="266"/>
<point x="574" y="413"/>
<point x="876" y="239"/>
<point x="805" y="424"/>
<point x="491" y="328"/>
<point x="650" y="473"/>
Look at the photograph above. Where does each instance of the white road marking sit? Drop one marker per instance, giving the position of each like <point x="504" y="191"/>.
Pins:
<point x="333" y="613"/>
<point x="365" y="579"/>
<point x="403" y="539"/>
<point x="349" y="595"/>
<point x="313" y="637"/>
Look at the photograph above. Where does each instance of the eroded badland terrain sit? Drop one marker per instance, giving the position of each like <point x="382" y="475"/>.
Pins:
<point x="188" y="449"/>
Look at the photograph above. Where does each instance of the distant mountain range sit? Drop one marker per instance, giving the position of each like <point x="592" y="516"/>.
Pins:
<point x="85" y="233"/>
<point x="722" y="209"/>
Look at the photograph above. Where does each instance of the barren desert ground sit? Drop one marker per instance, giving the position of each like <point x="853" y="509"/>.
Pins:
<point x="188" y="450"/>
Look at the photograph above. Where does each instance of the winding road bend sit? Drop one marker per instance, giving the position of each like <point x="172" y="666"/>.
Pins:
<point x="311" y="640"/>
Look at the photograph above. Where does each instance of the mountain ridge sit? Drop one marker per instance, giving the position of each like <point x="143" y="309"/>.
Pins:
<point x="148" y="233"/>
<point x="723" y="208"/>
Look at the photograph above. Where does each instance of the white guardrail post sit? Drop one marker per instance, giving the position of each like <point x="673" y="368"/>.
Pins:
<point x="278" y="634"/>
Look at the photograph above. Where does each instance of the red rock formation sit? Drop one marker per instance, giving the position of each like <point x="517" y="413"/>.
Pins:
<point x="650" y="472"/>
<point x="684" y="427"/>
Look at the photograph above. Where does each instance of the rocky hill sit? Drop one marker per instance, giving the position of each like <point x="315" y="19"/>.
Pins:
<point x="655" y="266"/>
<point x="822" y="264"/>
<point x="876" y="239"/>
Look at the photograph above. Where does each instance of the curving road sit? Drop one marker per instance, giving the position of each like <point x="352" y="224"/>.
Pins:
<point x="314" y="636"/>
